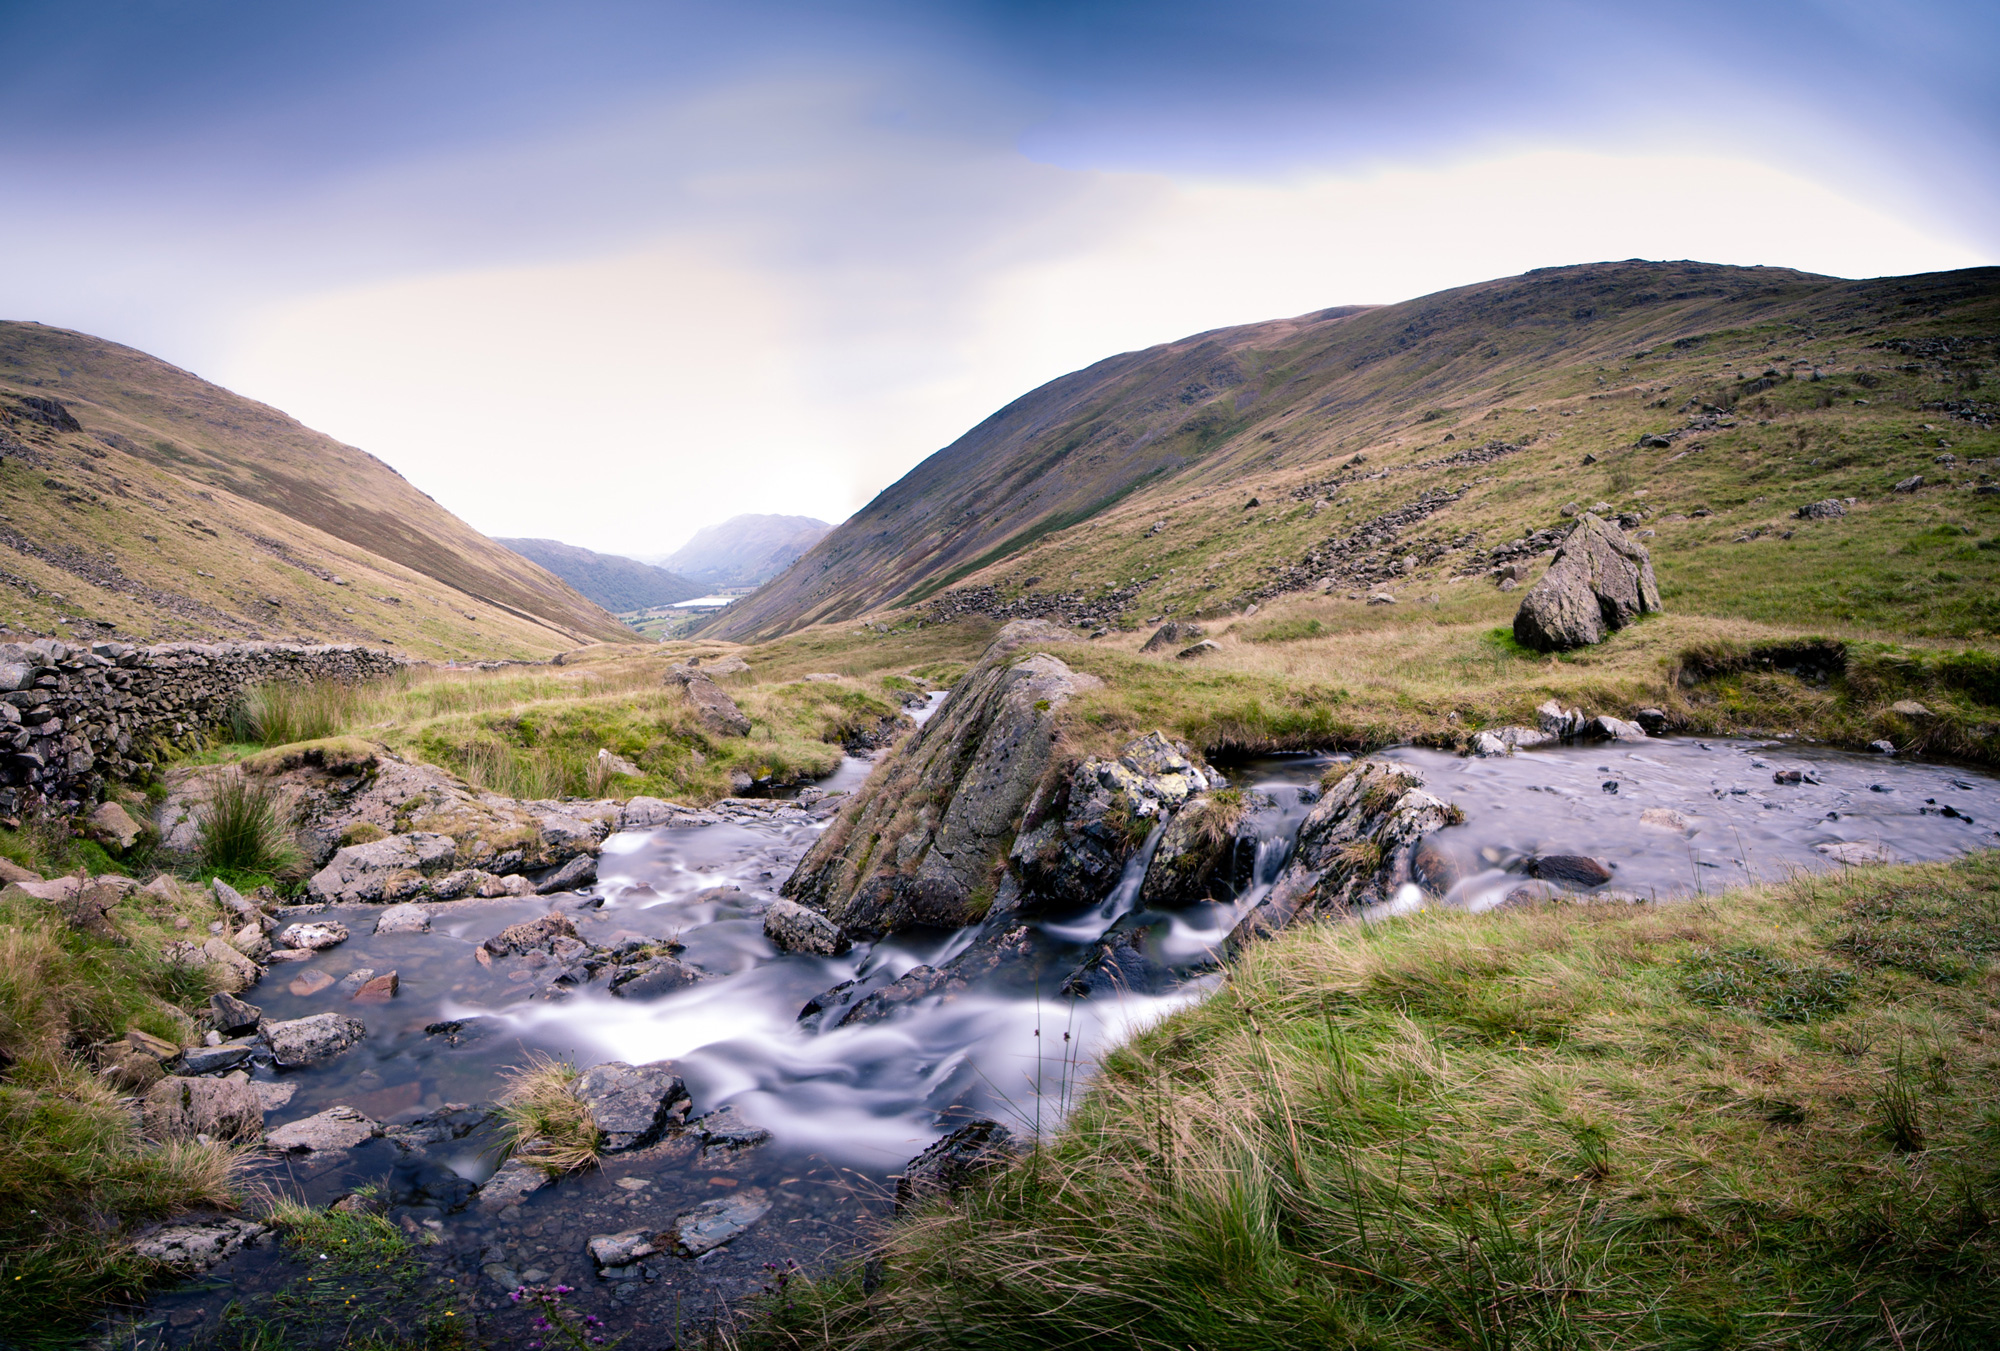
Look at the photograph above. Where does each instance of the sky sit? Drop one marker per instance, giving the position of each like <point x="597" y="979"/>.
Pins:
<point x="609" y="271"/>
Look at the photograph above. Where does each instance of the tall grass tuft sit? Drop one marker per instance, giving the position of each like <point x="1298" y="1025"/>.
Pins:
<point x="246" y="827"/>
<point x="281" y="713"/>
<point x="547" y="1125"/>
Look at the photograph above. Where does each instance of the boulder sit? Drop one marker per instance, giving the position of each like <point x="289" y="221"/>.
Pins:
<point x="180" y="1108"/>
<point x="233" y="971"/>
<point x="1826" y="509"/>
<point x="1560" y="724"/>
<point x="309" y="1040"/>
<point x="633" y="1105"/>
<point x="404" y="919"/>
<point x="1355" y="848"/>
<point x="1507" y="740"/>
<point x="707" y="1227"/>
<point x="947" y="1166"/>
<point x="920" y="844"/>
<point x="532" y="935"/>
<point x="1600" y="581"/>
<point x="654" y="977"/>
<point x="1195" y="848"/>
<point x="1172" y="634"/>
<point x="514" y="1181"/>
<point x="1572" y="869"/>
<point x="712" y="705"/>
<point x="610" y="763"/>
<point x="113" y="827"/>
<point x="1077" y="835"/>
<point x="193" y="1248"/>
<point x="377" y="989"/>
<point x="1196" y="650"/>
<point x="621" y="1250"/>
<point x="1614" y="729"/>
<point x="579" y="872"/>
<point x="394" y="869"/>
<point x="794" y="928"/>
<point x="335" y="1128"/>
<point x="726" y="1129"/>
<point x="1856" y="853"/>
<point x="317" y="935"/>
<point x="252" y="942"/>
<point x="231" y="1016"/>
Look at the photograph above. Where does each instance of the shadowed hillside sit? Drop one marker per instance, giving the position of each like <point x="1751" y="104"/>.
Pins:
<point x="145" y="500"/>
<point x="1161" y="451"/>
<point x="618" y="584"/>
<point x="746" y="550"/>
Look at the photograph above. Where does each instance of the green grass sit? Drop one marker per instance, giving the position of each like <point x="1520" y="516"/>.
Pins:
<point x="246" y="829"/>
<point x="545" y="1123"/>
<point x="1756" y="1120"/>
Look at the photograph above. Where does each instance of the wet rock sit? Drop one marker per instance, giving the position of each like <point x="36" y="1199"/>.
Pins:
<point x="1882" y="747"/>
<point x="335" y="1128"/>
<point x="233" y="970"/>
<point x="1507" y="740"/>
<point x="514" y="1182"/>
<point x="1195" y="651"/>
<point x="1119" y="963"/>
<point x="1433" y="869"/>
<point x="653" y="977"/>
<point x="1572" y="869"/>
<point x="214" y="1059"/>
<point x="308" y="983"/>
<point x="1559" y="723"/>
<point x="1172" y="634"/>
<point x="193" y="1248"/>
<point x="1856" y="854"/>
<point x="1614" y="729"/>
<point x="404" y="919"/>
<point x="717" y="711"/>
<point x="383" y="871"/>
<point x="1653" y="720"/>
<point x="309" y="1040"/>
<point x="113" y="827"/>
<point x="180" y="1108"/>
<point x="919" y="847"/>
<point x="285" y="955"/>
<point x="991" y="951"/>
<point x="1076" y="837"/>
<point x="708" y="1227"/>
<point x="1826" y="509"/>
<point x="273" y="1095"/>
<point x="1663" y="818"/>
<point x="1600" y="581"/>
<point x="1354" y="848"/>
<point x="438" y="1126"/>
<point x="355" y="979"/>
<point x="534" y="935"/>
<point x="459" y="1031"/>
<point x="622" y="1250"/>
<point x="318" y="935"/>
<point x="377" y="989"/>
<point x="794" y="928"/>
<point x="726" y="1129"/>
<point x="948" y="1166"/>
<point x="633" y="1105"/>
<point x="580" y="871"/>
<point x="1194" y="852"/>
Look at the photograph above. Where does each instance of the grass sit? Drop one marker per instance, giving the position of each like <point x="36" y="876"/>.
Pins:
<point x="75" y="1175"/>
<point x="546" y="1124"/>
<point x="246" y="828"/>
<point x="1569" y="1127"/>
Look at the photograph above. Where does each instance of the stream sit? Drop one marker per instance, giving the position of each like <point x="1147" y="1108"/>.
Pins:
<point x="847" y="1107"/>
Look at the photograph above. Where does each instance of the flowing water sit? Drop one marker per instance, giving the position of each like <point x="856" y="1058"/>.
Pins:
<point x="847" y="1106"/>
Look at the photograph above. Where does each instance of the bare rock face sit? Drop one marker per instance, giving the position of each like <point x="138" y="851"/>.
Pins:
<point x="717" y="711"/>
<point x="919" y="844"/>
<point x="1357" y="847"/>
<point x="1600" y="581"/>
<point x="383" y="870"/>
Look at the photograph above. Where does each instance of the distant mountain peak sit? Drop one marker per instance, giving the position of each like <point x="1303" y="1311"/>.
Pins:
<point x="746" y="550"/>
<point x="618" y="584"/>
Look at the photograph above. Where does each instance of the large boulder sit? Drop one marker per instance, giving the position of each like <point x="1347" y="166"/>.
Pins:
<point x="717" y="711"/>
<point x="919" y="845"/>
<point x="1600" y="581"/>
<point x="1356" y="847"/>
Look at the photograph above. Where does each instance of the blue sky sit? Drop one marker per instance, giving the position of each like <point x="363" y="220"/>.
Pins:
<point x="609" y="272"/>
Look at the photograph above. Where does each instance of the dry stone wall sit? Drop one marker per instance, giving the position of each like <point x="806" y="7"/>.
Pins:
<point x="72" y="717"/>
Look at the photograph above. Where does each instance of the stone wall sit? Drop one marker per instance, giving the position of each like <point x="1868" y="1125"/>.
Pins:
<point x="72" y="717"/>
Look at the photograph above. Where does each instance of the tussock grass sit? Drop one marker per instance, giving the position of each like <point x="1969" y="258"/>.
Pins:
<point x="245" y="827"/>
<point x="1506" y="1130"/>
<point x="280" y="713"/>
<point x="546" y="1124"/>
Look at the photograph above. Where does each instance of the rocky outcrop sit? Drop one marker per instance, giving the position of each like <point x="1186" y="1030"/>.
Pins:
<point x="1078" y="833"/>
<point x="72" y="717"/>
<point x="1600" y="581"/>
<point x="1173" y="634"/>
<point x="717" y="711"/>
<point x="1355" y="848"/>
<point x="920" y="844"/>
<point x="1191" y="861"/>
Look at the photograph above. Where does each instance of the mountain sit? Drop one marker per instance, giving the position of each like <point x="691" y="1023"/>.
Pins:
<point x="1125" y="487"/>
<point x="144" y="502"/>
<point x="618" y="584"/>
<point x="746" y="550"/>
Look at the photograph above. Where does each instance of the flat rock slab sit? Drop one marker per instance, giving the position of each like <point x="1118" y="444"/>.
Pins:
<point x="309" y="983"/>
<point x="620" y="1250"/>
<point x="306" y="1041"/>
<point x="1856" y="853"/>
<point x="633" y="1105"/>
<point x="707" y="1227"/>
<point x="727" y="1128"/>
<point x="514" y="1181"/>
<point x="335" y="1128"/>
<point x="191" y="1248"/>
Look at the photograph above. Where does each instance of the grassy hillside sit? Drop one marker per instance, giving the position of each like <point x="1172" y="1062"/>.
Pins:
<point x="1763" y="1119"/>
<point x="175" y="509"/>
<point x="618" y="584"/>
<point x="1202" y="475"/>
